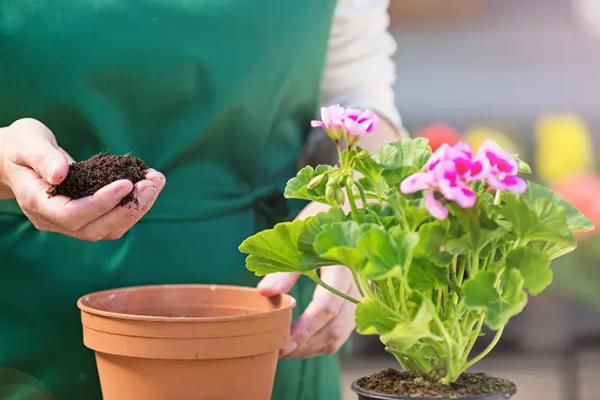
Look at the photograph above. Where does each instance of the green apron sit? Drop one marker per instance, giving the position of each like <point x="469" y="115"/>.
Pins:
<point x="217" y="94"/>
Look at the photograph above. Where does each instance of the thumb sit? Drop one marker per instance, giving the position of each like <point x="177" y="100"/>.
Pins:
<point x="277" y="283"/>
<point x="39" y="151"/>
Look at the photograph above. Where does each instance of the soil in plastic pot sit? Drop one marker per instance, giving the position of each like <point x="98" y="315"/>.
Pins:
<point x="391" y="384"/>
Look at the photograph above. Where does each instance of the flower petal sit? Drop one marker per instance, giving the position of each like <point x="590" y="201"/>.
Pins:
<point x="435" y="207"/>
<point x="514" y="184"/>
<point x="332" y="116"/>
<point x="441" y="154"/>
<point x="466" y="198"/>
<point x="416" y="182"/>
<point x="499" y="159"/>
<point x="462" y="149"/>
<point x="353" y="128"/>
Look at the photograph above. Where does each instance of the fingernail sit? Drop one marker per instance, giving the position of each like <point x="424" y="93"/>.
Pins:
<point x="53" y="165"/>
<point x="145" y="196"/>
<point x="289" y="348"/>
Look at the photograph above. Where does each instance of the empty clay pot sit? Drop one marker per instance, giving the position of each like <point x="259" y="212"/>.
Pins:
<point x="200" y="342"/>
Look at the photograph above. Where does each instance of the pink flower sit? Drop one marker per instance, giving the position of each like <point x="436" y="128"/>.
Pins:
<point x="449" y="170"/>
<point x="359" y="123"/>
<point x="501" y="168"/>
<point x="331" y="118"/>
<point x="355" y="123"/>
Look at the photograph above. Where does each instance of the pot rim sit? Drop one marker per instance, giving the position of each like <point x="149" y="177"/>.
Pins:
<point x="381" y="396"/>
<point x="287" y="303"/>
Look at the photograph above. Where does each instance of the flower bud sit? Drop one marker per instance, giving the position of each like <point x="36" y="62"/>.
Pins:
<point x="330" y="193"/>
<point x="316" y="181"/>
<point x="340" y="199"/>
<point x="361" y="155"/>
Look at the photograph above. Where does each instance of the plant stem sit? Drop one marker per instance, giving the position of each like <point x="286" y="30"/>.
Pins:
<point x="367" y="287"/>
<point x="363" y="198"/>
<point x="485" y="352"/>
<point x="438" y="301"/>
<point x="333" y="290"/>
<point x="390" y="288"/>
<point x="352" y="202"/>
<point x="473" y="339"/>
<point x="358" y="284"/>
<point x="403" y="307"/>
<point x="497" y="197"/>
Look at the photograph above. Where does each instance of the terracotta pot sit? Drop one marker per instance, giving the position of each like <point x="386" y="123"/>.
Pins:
<point x="185" y="341"/>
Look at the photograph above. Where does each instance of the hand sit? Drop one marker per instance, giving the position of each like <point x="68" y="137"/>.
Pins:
<point x="31" y="161"/>
<point x="327" y="321"/>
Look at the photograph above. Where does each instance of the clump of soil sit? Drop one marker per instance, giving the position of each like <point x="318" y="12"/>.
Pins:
<point x="87" y="177"/>
<point x="411" y="384"/>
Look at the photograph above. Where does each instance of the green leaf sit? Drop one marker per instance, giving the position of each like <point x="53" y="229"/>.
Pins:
<point x="402" y="158"/>
<point x="481" y="294"/>
<point x="298" y="187"/>
<point x="539" y="219"/>
<point x="534" y="267"/>
<point x="388" y="252"/>
<point x="315" y="224"/>
<point x="576" y="221"/>
<point x="337" y="243"/>
<point x="423" y="275"/>
<point x="415" y="216"/>
<point x="275" y="250"/>
<point x="432" y="244"/>
<point x="406" y="333"/>
<point x="374" y="318"/>
<point x="397" y="333"/>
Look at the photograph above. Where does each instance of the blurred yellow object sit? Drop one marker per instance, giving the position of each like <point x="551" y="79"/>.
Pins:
<point x="476" y="135"/>
<point x="564" y="147"/>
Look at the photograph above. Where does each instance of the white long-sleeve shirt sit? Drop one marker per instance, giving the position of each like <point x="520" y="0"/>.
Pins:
<point x="359" y="70"/>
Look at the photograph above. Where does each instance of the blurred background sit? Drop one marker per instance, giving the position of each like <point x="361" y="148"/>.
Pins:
<point x="526" y="73"/>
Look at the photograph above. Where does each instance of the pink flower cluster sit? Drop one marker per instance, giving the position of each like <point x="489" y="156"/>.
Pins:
<point x="451" y="170"/>
<point x="336" y="119"/>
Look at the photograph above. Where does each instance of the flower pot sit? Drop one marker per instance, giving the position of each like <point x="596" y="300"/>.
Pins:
<point x="364" y="394"/>
<point x="185" y="341"/>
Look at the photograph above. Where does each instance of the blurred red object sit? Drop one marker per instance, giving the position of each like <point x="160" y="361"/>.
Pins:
<point x="438" y="134"/>
<point x="583" y="191"/>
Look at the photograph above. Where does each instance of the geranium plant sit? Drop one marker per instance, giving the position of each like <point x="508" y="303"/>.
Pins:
<point x="439" y="244"/>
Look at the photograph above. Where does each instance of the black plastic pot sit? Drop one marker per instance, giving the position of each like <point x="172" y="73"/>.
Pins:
<point x="364" y="394"/>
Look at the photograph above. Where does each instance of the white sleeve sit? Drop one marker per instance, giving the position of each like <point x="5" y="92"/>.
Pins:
<point x="359" y="71"/>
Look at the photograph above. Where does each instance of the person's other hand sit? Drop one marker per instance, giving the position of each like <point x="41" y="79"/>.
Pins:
<point x="328" y="320"/>
<point x="31" y="161"/>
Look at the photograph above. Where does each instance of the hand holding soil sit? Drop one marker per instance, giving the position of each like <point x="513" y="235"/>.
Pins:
<point x="32" y="165"/>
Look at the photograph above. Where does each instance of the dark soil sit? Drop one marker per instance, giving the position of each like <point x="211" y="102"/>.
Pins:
<point x="410" y="384"/>
<point x="87" y="177"/>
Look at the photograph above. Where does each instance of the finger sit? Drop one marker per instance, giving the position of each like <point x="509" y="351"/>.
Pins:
<point x="277" y="283"/>
<point x="332" y="337"/>
<point x="156" y="177"/>
<point x="67" y="155"/>
<point x="118" y="221"/>
<point x="31" y="193"/>
<point x="37" y="149"/>
<point x="323" y="308"/>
